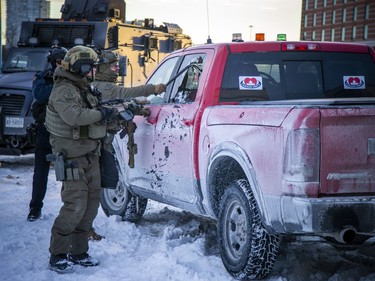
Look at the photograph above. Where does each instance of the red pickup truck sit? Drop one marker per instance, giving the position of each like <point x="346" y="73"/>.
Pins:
<point x="268" y="139"/>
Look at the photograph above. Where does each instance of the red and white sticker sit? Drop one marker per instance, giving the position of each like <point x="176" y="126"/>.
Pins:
<point x="250" y="83"/>
<point x="354" y="82"/>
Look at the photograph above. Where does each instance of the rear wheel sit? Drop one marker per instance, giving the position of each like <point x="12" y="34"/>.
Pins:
<point x="247" y="249"/>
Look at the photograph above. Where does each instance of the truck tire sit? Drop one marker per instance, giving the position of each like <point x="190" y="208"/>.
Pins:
<point x="247" y="249"/>
<point x="135" y="208"/>
<point x="121" y="202"/>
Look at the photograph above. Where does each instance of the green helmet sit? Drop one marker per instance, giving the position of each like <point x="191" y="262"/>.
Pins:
<point x="80" y="59"/>
<point x="104" y="71"/>
<point x="108" y="57"/>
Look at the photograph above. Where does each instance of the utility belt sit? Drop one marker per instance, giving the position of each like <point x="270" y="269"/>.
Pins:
<point x="67" y="169"/>
<point x="56" y="126"/>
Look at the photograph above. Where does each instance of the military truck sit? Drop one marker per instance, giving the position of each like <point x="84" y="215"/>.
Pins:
<point x="97" y="23"/>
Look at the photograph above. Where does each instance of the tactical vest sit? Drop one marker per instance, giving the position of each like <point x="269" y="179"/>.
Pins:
<point x="56" y="126"/>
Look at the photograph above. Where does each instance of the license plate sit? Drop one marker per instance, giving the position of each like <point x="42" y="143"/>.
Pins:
<point x="14" y="122"/>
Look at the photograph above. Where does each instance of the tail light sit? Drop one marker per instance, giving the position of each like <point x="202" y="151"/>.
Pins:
<point x="304" y="46"/>
<point x="302" y="156"/>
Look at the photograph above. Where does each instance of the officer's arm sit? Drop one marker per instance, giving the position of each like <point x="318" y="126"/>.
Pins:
<point x="40" y="89"/>
<point x="68" y="106"/>
<point x="139" y="91"/>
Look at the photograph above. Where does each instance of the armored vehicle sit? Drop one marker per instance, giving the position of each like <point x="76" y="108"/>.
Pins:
<point x="97" y="23"/>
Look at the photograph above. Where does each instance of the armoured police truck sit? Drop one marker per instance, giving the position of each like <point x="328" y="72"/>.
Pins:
<point x="97" y="23"/>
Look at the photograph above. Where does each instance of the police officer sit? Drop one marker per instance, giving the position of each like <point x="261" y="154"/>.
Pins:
<point x="41" y="90"/>
<point x="76" y="128"/>
<point x="106" y="77"/>
<point x="106" y="82"/>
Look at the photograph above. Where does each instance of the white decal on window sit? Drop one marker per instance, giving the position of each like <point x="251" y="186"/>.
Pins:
<point x="250" y="83"/>
<point x="354" y="82"/>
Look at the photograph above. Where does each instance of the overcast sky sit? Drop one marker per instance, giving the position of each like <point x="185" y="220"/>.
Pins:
<point x="223" y="18"/>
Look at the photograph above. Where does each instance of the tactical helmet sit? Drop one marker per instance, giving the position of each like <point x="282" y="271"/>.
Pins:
<point x="56" y="54"/>
<point x="104" y="71"/>
<point x="108" y="57"/>
<point x="80" y="59"/>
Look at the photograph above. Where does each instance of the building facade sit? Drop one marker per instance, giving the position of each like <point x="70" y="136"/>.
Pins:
<point x="19" y="11"/>
<point x="338" y="21"/>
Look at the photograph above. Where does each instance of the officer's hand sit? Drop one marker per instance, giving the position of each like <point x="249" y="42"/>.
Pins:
<point x="108" y="114"/>
<point x="48" y="74"/>
<point x="160" y="88"/>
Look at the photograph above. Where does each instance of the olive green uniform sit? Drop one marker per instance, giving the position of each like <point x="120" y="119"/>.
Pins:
<point x="105" y="82"/>
<point x="70" y="119"/>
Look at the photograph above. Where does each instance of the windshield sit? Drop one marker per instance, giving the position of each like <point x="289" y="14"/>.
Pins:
<point x="297" y="75"/>
<point x="26" y="59"/>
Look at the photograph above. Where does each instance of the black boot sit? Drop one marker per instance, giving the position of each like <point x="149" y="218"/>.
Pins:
<point x="60" y="264"/>
<point x="83" y="259"/>
<point x="34" y="214"/>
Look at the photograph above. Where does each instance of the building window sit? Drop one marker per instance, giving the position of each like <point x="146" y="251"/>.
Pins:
<point x="324" y="18"/>
<point x="315" y="4"/>
<point x="344" y="15"/>
<point x="367" y="12"/>
<point x="323" y="34"/>
<point x="304" y="35"/>
<point x="305" y="21"/>
<point x="333" y="35"/>
<point x="365" y="32"/>
<point x="354" y="32"/>
<point x="313" y="35"/>
<point x="325" y="3"/>
<point x="333" y="17"/>
<point x="355" y="12"/>
<point x="343" y="34"/>
<point x="314" y="20"/>
<point x="307" y="5"/>
<point x="334" y="3"/>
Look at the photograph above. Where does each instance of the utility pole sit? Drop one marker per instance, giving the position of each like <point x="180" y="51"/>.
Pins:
<point x="1" y="35"/>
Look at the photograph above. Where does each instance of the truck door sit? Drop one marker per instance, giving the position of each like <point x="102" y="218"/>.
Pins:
<point x="143" y="176"/>
<point x="174" y="133"/>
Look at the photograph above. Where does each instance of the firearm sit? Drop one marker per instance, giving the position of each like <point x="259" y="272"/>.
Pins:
<point x="126" y="109"/>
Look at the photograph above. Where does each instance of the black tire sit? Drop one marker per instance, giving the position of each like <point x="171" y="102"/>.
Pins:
<point x="135" y="208"/>
<point x="121" y="202"/>
<point x="247" y="249"/>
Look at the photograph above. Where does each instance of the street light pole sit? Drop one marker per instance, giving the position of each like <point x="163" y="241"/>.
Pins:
<point x="251" y="29"/>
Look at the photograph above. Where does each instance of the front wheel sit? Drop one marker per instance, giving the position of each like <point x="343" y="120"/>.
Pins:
<point x="121" y="202"/>
<point x="247" y="249"/>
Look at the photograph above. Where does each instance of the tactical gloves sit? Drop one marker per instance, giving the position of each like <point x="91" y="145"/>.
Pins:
<point x="108" y="114"/>
<point x="160" y="88"/>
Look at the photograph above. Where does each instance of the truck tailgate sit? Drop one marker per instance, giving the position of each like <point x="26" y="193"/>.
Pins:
<point x="347" y="150"/>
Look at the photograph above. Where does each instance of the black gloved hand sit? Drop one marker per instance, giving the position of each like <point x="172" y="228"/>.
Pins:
<point x="108" y="114"/>
<point x="48" y="74"/>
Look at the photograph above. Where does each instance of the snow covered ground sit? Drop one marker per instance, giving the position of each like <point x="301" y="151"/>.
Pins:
<point x="167" y="244"/>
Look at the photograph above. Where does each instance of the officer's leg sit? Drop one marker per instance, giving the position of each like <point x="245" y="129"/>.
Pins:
<point x="74" y="196"/>
<point x="41" y="168"/>
<point x="80" y="235"/>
